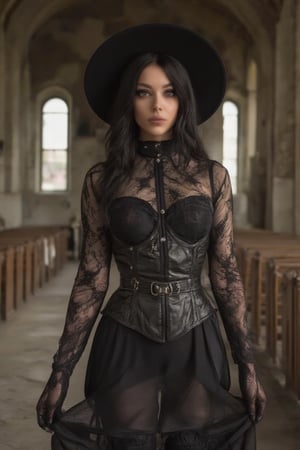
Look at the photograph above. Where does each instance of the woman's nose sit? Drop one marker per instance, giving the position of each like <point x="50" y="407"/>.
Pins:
<point x="156" y="104"/>
<point x="156" y="108"/>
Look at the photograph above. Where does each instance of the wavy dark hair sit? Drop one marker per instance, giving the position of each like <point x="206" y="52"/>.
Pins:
<point x="123" y="134"/>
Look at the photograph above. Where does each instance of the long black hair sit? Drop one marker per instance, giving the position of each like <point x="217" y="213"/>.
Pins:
<point x="123" y="134"/>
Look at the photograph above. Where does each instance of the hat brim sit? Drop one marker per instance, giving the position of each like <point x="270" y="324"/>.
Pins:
<point x="196" y="54"/>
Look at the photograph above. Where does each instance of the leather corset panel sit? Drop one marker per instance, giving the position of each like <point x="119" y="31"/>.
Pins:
<point x="167" y="244"/>
<point x="159" y="317"/>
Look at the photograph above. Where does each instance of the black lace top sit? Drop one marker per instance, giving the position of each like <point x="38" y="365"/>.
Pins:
<point x="193" y="202"/>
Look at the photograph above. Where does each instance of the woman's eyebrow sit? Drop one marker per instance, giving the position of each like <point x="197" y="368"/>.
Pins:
<point x="150" y="87"/>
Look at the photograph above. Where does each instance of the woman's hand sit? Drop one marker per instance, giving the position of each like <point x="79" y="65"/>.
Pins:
<point x="51" y="400"/>
<point x="252" y="392"/>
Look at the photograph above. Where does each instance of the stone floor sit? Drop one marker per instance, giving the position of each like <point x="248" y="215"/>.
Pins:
<point x="28" y="341"/>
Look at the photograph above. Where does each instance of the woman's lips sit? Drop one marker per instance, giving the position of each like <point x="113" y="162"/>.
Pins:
<point x="157" y="120"/>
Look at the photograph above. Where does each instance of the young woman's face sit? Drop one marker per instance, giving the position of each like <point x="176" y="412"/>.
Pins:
<point x="155" y="104"/>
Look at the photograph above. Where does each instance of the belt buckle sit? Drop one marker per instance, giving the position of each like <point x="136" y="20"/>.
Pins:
<point x="177" y="286"/>
<point x="168" y="290"/>
<point x="135" y="284"/>
<point x="157" y="288"/>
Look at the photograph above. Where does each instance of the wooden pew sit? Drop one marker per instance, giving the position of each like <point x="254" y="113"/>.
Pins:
<point x="54" y="247"/>
<point x="2" y="257"/>
<point x="254" y="250"/>
<point x="38" y="265"/>
<point x="7" y="281"/>
<point x="25" y="266"/>
<point x="248" y="242"/>
<point x="276" y="269"/>
<point x="258" y="278"/>
<point x="56" y="244"/>
<point x="270" y="266"/>
<point x="28" y="269"/>
<point x="18" y="268"/>
<point x="19" y="275"/>
<point x="291" y="331"/>
<point x="31" y="256"/>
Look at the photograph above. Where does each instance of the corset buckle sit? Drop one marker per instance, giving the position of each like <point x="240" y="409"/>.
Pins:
<point x="157" y="288"/>
<point x="135" y="284"/>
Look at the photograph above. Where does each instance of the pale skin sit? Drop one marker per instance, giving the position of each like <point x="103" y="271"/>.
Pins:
<point x="155" y="104"/>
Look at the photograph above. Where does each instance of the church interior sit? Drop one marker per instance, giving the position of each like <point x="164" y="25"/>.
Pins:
<point x="49" y="138"/>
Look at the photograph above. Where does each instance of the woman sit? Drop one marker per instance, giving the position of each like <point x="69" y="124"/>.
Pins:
<point x="157" y="373"/>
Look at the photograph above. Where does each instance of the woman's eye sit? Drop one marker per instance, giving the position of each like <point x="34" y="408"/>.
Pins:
<point x="142" y="92"/>
<point x="170" y="93"/>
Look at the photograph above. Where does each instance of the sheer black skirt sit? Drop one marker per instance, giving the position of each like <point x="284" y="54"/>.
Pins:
<point x="176" y="393"/>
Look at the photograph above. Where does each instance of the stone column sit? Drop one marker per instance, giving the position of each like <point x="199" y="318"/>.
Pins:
<point x="12" y="119"/>
<point x="259" y="207"/>
<point x="251" y="120"/>
<point x="10" y="198"/>
<point x="297" y="121"/>
<point x="212" y="136"/>
<point x="284" y="122"/>
<point x="2" y="106"/>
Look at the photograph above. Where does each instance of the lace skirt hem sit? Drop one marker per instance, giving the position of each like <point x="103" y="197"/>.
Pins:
<point x="176" y="393"/>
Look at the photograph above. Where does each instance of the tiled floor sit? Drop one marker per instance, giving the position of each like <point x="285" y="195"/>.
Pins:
<point x="28" y="341"/>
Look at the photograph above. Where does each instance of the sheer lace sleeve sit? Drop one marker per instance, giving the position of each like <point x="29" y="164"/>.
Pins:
<point x="91" y="281"/>
<point x="224" y="274"/>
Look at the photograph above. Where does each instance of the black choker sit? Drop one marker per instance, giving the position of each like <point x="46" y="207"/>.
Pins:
<point x="155" y="148"/>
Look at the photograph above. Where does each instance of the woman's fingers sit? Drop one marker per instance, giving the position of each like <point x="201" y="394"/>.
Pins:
<point x="43" y="423"/>
<point x="250" y="394"/>
<point x="256" y="402"/>
<point x="252" y="407"/>
<point x="260" y="403"/>
<point x="45" y="419"/>
<point x="49" y="404"/>
<point x="253" y="393"/>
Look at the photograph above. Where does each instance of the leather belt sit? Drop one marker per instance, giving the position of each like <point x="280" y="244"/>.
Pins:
<point x="156" y="288"/>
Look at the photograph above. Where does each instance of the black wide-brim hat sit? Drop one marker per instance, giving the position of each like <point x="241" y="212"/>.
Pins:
<point x="196" y="54"/>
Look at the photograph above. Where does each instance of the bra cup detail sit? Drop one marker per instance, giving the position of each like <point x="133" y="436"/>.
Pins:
<point x="132" y="220"/>
<point x="190" y="219"/>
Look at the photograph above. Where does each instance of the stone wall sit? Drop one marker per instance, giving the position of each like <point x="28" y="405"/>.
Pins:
<point x="284" y="121"/>
<point x="297" y="122"/>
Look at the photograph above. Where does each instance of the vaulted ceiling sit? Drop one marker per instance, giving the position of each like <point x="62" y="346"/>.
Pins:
<point x="267" y="10"/>
<point x="257" y="18"/>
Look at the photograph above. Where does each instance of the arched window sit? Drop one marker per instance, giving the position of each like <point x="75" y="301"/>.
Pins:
<point x="230" y="141"/>
<point x="54" y="145"/>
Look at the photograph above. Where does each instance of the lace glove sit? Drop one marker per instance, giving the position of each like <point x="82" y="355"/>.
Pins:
<point x="87" y="296"/>
<point x="252" y="392"/>
<point x="229" y="294"/>
<point x="51" y="400"/>
<point x="224" y="274"/>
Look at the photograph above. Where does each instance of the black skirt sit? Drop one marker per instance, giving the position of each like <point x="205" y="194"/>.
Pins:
<point x="136" y="386"/>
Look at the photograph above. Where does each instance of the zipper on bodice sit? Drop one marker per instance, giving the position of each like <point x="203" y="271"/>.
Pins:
<point x="161" y="207"/>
